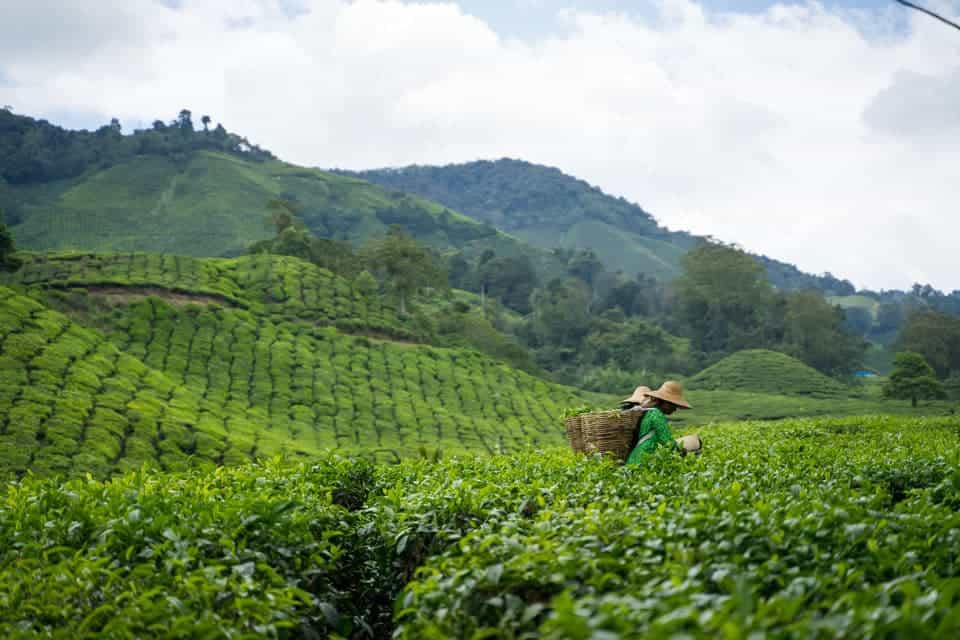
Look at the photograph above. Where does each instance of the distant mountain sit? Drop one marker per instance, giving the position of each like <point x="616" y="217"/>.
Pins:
<point x="548" y="208"/>
<point x="175" y="189"/>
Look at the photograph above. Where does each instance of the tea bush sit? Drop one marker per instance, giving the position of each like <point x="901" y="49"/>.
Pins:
<point x="807" y="528"/>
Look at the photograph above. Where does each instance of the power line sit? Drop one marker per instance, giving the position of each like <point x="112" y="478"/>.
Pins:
<point x="929" y="13"/>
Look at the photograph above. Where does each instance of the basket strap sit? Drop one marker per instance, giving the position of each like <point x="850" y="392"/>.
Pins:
<point x="645" y="438"/>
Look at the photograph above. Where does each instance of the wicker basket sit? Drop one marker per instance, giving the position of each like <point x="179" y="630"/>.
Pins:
<point x="574" y="426"/>
<point x="609" y="432"/>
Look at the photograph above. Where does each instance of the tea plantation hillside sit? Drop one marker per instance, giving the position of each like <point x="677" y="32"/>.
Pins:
<point x="217" y="372"/>
<point x="803" y="529"/>
<point x="210" y="203"/>
<point x="344" y="391"/>
<point x="71" y="402"/>
<point x="278" y="286"/>
<point x="764" y="371"/>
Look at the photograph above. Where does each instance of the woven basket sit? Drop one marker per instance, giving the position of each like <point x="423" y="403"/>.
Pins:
<point x="574" y="426"/>
<point x="609" y="432"/>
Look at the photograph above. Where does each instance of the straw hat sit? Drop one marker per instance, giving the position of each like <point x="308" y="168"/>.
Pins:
<point x="672" y="392"/>
<point x="639" y="395"/>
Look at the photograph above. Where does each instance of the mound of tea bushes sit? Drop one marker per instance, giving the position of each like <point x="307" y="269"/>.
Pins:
<point x="806" y="528"/>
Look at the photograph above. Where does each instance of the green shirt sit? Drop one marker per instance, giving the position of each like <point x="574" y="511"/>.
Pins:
<point x="653" y="420"/>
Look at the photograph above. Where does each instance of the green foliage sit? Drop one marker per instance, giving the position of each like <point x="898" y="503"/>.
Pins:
<point x="72" y="402"/>
<point x="406" y="265"/>
<point x="199" y="385"/>
<point x="199" y="198"/>
<point x="764" y="371"/>
<point x="570" y="412"/>
<point x="814" y="332"/>
<point x="561" y="312"/>
<point x="935" y="336"/>
<point x="913" y="378"/>
<point x="8" y="261"/>
<point x="724" y="297"/>
<point x="35" y="151"/>
<point x="549" y="209"/>
<point x="807" y="528"/>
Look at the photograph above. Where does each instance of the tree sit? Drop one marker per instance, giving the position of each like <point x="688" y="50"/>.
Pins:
<point x="8" y="261"/>
<point x="857" y="320"/>
<point x="561" y="312"/>
<point x="912" y="378"/>
<point x="282" y="214"/>
<point x="509" y="279"/>
<point x="407" y="266"/>
<point x="814" y="333"/>
<point x="184" y="120"/>
<point x="365" y="284"/>
<point x="723" y="298"/>
<point x="206" y="120"/>
<point x="936" y="337"/>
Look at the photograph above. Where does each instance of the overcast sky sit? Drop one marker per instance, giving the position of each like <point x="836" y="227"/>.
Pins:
<point x="827" y="135"/>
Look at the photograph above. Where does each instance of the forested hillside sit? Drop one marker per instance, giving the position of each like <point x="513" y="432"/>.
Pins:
<point x="176" y="189"/>
<point x="548" y="208"/>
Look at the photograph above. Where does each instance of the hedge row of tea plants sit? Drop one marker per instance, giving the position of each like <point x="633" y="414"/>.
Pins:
<point x="282" y="287"/>
<point x="174" y="387"/>
<point x="809" y="528"/>
<point x="72" y="402"/>
<point x="334" y="390"/>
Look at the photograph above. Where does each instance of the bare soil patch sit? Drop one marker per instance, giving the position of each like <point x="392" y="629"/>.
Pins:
<point x="126" y="295"/>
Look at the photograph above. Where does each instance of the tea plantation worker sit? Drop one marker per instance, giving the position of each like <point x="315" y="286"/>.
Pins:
<point x="654" y="429"/>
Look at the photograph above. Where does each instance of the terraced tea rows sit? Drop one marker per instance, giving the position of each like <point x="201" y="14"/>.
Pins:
<point x="343" y="391"/>
<point x="70" y="401"/>
<point x="803" y="529"/>
<point x="279" y="286"/>
<point x="230" y="384"/>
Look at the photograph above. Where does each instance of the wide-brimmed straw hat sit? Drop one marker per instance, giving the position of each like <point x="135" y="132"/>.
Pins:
<point x="672" y="392"/>
<point x="639" y="394"/>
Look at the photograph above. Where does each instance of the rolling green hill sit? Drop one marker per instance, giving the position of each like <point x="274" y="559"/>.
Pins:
<point x="763" y="371"/>
<point x="209" y="203"/>
<point x="230" y="364"/>
<point x="548" y="208"/>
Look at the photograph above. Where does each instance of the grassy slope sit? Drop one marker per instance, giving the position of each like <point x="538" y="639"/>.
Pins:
<point x="214" y="204"/>
<point x="862" y="302"/>
<point x="620" y="249"/>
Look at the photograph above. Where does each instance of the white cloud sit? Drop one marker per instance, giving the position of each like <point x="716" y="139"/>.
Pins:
<point x="827" y="139"/>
